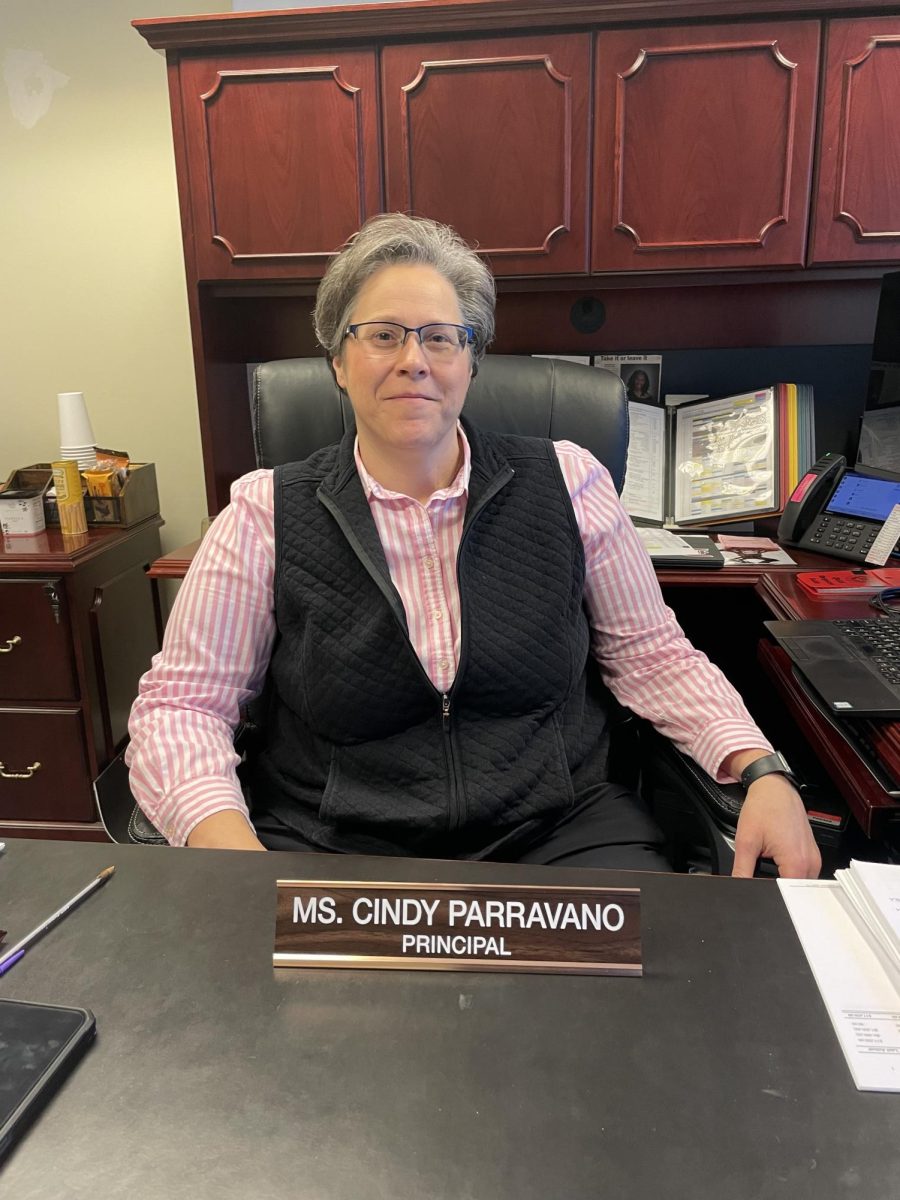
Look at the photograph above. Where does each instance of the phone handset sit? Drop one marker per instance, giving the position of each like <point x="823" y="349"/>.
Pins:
<point x="808" y="497"/>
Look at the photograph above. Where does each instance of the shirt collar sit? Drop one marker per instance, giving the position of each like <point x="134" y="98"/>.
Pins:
<point x="458" y="487"/>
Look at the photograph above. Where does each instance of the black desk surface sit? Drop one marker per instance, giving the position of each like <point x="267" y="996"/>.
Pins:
<point x="213" y="1075"/>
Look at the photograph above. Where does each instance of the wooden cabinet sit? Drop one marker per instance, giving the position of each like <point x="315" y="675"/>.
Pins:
<point x="292" y="128"/>
<point x="78" y="626"/>
<point x="491" y="137"/>
<point x="703" y="146"/>
<point x="857" y="210"/>
<point x="639" y="175"/>
<point x="281" y="159"/>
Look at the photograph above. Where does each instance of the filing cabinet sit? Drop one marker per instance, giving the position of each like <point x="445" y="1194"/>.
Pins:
<point x="79" y="623"/>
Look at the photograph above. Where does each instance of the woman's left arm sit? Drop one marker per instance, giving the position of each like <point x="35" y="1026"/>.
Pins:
<point x="652" y="668"/>
<point x="645" y="659"/>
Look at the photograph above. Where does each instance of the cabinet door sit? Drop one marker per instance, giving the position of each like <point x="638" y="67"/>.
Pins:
<point x="491" y="137"/>
<point x="281" y="159"/>
<point x="857" y="210"/>
<point x="36" y="656"/>
<point x="703" y="146"/>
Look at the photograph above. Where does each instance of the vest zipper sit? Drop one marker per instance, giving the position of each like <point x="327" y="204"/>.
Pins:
<point x="456" y="801"/>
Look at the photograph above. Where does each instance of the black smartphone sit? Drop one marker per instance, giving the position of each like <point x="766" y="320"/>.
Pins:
<point x="39" y="1045"/>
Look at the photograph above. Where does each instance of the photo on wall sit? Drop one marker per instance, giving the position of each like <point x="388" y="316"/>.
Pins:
<point x="641" y="374"/>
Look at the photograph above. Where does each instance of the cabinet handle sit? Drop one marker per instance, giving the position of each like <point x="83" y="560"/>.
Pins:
<point x="53" y="596"/>
<point x="26" y="774"/>
<point x="11" y="644"/>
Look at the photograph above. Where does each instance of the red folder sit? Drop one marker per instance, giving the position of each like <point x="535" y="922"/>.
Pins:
<point x="825" y="585"/>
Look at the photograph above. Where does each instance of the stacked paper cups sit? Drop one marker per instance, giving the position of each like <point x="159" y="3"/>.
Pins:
<point x="76" y="437"/>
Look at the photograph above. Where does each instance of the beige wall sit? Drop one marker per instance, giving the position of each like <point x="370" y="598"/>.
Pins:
<point x="93" y="295"/>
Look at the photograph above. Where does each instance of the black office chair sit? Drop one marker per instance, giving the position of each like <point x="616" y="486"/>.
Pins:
<point x="297" y="408"/>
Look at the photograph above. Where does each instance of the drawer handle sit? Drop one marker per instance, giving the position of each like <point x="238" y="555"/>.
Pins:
<point x="11" y="644"/>
<point x="26" y="774"/>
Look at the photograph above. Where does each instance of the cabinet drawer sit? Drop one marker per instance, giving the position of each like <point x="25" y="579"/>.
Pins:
<point x="59" y="788"/>
<point x="36" y="658"/>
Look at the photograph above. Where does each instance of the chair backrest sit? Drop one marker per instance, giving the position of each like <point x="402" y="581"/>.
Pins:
<point x="298" y="408"/>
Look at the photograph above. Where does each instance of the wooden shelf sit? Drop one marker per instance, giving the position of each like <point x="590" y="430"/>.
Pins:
<point x="424" y="18"/>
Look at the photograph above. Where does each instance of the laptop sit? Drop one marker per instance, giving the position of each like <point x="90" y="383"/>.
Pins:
<point x="853" y="665"/>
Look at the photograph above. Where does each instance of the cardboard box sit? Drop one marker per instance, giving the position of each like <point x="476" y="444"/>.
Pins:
<point x="139" y="499"/>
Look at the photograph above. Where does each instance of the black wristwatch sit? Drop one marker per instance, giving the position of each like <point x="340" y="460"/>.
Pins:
<point x="772" y="764"/>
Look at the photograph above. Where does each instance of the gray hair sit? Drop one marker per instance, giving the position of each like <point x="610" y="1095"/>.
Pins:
<point x="394" y="239"/>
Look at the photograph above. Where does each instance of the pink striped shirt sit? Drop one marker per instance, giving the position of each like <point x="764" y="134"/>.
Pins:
<point x="219" y="637"/>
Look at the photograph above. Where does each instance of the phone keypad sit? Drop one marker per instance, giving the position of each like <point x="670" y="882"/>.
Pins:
<point x="842" y="536"/>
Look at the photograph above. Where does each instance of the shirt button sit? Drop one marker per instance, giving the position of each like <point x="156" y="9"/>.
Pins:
<point x="444" y="664"/>
<point x="429" y="563"/>
<point x="438" y="615"/>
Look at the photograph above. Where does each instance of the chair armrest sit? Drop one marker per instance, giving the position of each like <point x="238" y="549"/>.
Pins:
<point x="121" y="817"/>
<point x="174" y="565"/>
<point x="681" y="795"/>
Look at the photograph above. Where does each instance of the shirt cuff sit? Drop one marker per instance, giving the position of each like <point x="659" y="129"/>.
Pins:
<point x="722" y="738"/>
<point x="177" y="813"/>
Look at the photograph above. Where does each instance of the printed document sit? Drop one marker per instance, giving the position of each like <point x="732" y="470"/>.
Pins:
<point x="858" y="979"/>
<point x="725" y="458"/>
<point x="645" y="473"/>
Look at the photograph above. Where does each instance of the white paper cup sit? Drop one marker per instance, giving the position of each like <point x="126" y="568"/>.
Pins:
<point x="74" y="422"/>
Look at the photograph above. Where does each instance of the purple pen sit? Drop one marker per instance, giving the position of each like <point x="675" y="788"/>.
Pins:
<point x="9" y="962"/>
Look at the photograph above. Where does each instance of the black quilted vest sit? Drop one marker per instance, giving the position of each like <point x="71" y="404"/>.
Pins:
<point x="362" y="752"/>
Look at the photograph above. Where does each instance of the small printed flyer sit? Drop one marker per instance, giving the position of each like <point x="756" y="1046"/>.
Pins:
<point x="641" y="374"/>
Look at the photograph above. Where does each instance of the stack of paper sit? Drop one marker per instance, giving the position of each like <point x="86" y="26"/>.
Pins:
<point x="850" y="932"/>
<point x="874" y="891"/>
<point x="706" y="462"/>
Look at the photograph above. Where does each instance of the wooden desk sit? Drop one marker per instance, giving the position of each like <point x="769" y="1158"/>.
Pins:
<point x="722" y="612"/>
<point x="216" y="1076"/>
<point x="174" y="565"/>
<point x="742" y="598"/>
<point x="860" y="777"/>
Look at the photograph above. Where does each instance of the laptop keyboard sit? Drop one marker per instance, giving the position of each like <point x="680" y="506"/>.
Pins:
<point x="879" y="640"/>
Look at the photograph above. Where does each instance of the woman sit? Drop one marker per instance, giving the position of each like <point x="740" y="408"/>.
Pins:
<point x="421" y="601"/>
<point x="638" y="387"/>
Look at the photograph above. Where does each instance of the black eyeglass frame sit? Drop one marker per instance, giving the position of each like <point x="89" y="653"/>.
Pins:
<point x="468" y="330"/>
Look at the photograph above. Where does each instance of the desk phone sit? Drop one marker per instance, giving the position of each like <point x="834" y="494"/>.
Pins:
<point x="837" y="511"/>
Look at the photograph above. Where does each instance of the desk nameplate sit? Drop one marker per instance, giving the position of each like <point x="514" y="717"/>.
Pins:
<point x="458" y="927"/>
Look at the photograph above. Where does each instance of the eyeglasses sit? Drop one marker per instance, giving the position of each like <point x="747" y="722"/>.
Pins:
<point x="438" y="339"/>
